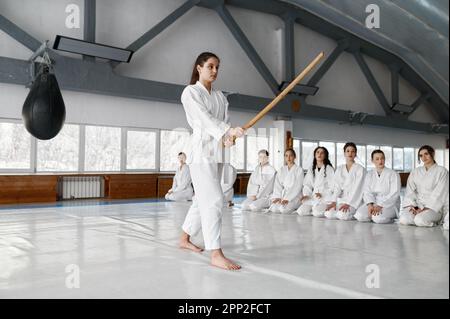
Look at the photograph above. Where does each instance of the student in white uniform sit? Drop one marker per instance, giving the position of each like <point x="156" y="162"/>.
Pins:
<point x="318" y="185"/>
<point x="182" y="184"/>
<point x="288" y="186"/>
<point x="260" y="184"/>
<point x="381" y="194"/>
<point x="207" y="114"/>
<point x="426" y="192"/>
<point x="348" y="187"/>
<point x="446" y="212"/>
<point x="229" y="176"/>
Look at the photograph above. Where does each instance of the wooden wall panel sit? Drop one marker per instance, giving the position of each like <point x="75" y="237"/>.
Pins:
<point x="121" y="186"/>
<point x="15" y="189"/>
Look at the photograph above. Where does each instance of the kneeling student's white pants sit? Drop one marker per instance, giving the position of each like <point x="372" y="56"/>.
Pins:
<point x="386" y="216"/>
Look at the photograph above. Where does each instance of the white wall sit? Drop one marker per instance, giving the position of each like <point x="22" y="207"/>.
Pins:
<point x="170" y="55"/>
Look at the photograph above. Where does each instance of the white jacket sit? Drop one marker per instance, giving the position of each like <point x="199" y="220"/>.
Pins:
<point x="207" y="115"/>
<point x="383" y="190"/>
<point x="182" y="179"/>
<point x="322" y="182"/>
<point x="261" y="182"/>
<point x="348" y="185"/>
<point x="427" y="188"/>
<point x="288" y="183"/>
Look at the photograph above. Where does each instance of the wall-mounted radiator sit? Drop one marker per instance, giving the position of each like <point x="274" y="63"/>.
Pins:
<point x="75" y="187"/>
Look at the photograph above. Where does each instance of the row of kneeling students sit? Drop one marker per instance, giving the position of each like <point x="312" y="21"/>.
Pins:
<point x="349" y="192"/>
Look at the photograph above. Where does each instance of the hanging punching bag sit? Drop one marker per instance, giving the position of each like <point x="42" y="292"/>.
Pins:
<point x="44" y="111"/>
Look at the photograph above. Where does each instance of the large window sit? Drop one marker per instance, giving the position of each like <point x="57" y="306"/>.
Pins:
<point x="340" y="157"/>
<point x="388" y="155"/>
<point x="308" y="154"/>
<point x="61" y="152"/>
<point x="361" y="155"/>
<point x="102" y="148"/>
<point x="398" y="159"/>
<point x="141" y="150"/>
<point x="237" y="154"/>
<point x="15" y="147"/>
<point x="409" y="159"/>
<point x="254" y="145"/>
<point x="296" y="147"/>
<point x="331" y="147"/>
<point x="439" y="157"/>
<point x="172" y="143"/>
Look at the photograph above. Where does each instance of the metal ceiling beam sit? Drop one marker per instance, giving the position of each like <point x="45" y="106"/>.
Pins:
<point x="160" y="27"/>
<point x="418" y="102"/>
<point x="326" y="65"/>
<point x="372" y="82"/>
<point x="395" y="92"/>
<point x="18" y="34"/>
<point x="289" y="47"/>
<point x="248" y="48"/>
<point x="89" y="24"/>
<point x="99" y="78"/>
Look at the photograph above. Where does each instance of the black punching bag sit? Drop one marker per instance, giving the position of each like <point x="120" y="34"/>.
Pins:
<point x="44" y="111"/>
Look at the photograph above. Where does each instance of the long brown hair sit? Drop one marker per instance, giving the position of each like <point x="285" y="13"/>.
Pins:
<point x="201" y="59"/>
<point x="430" y="150"/>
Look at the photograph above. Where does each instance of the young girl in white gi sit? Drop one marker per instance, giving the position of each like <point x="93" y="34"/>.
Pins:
<point x="260" y="184"/>
<point x="426" y="192"/>
<point x="318" y="185"/>
<point x="381" y="194"/>
<point x="207" y="114"/>
<point x="182" y="184"/>
<point x="348" y="186"/>
<point x="288" y="186"/>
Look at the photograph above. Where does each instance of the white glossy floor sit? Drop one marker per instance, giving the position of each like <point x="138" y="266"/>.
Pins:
<point x="129" y="250"/>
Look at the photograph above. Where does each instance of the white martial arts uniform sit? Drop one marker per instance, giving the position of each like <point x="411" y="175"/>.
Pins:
<point x="260" y="185"/>
<point x="182" y="185"/>
<point x="348" y="189"/>
<point x="229" y="176"/>
<point x="425" y="188"/>
<point x="207" y="114"/>
<point x="321" y="182"/>
<point x="384" y="191"/>
<point x="288" y="186"/>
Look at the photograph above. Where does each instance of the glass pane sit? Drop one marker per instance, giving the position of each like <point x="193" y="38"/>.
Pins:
<point x="102" y="148"/>
<point x="330" y="146"/>
<point x="296" y="145"/>
<point x="439" y="157"/>
<point x="61" y="152"/>
<point x="409" y="159"/>
<point x="172" y="143"/>
<point x="141" y="150"/>
<point x="398" y="159"/>
<point x="416" y="158"/>
<point x="308" y="154"/>
<point x="340" y="158"/>
<point x="15" y="146"/>
<point x="254" y="145"/>
<point x="361" y="155"/>
<point x="370" y="149"/>
<point x="237" y="154"/>
<point x="388" y="155"/>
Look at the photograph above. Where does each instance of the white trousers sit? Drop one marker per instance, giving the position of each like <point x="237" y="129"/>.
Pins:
<point x="386" y="216"/>
<point x="255" y="205"/>
<point x="313" y="206"/>
<point x="206" y="210"/>
<point x="285" y="209"/>
<point x="338" y="214"/>
<point x="180" y="196"/>
<point x="428" y="218"/>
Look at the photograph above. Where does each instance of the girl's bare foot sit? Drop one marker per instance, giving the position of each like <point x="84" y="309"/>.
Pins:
<point x="219" y="260"/>
<point x="185" y="243"/>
